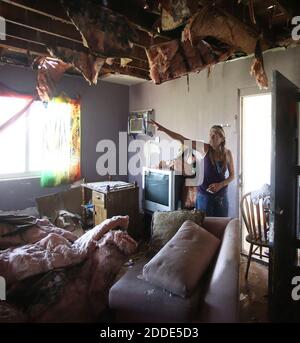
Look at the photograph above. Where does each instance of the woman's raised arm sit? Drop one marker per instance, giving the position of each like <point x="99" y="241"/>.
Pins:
<point x="200" y="146"/>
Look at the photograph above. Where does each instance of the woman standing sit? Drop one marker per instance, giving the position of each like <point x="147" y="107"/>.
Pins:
<point x="212" y="193"/>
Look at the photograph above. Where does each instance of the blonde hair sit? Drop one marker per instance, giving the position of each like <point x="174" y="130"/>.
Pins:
<point x="221" y="132"/>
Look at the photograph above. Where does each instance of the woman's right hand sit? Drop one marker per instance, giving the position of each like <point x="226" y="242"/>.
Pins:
<point x="155" y="124"/>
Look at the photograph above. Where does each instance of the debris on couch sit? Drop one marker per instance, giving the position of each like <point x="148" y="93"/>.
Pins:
<point x="215" y="296"/>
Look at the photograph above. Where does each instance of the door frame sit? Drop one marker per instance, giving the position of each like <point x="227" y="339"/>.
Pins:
<point x="243" y="92"/>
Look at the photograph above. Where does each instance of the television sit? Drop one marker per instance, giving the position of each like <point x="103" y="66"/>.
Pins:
<point x="161" y="190"/>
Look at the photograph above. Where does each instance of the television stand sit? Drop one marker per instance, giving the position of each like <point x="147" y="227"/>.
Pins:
<point x="112" y="198"/>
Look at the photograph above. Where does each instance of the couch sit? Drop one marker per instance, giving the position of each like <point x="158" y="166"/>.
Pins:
<point x="215" y="299"/>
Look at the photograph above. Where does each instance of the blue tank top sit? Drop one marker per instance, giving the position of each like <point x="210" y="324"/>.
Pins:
<point x="213" y="173"/>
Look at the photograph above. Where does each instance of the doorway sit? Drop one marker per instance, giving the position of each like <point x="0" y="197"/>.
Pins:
<point x="255" y="146"/>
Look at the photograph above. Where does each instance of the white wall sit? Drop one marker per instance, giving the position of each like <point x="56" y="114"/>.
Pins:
<point x="212" y="99"/>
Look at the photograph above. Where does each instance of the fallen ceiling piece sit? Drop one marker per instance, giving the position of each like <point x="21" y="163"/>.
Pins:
<point x="258" y="70"/>
<point x="50" y="71"/>
<point x="173" y="13"/>
<point x="211" y="22"/>
<point x="102" y="31"/>
<point x="125" y="61"/>
<point x="110" y="61"/>
<point x="173" y="59"/>
<point x="88" y="64"/>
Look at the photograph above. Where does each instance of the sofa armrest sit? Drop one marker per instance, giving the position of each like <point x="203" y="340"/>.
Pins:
<point x="216" y="225"/>
<point x="221" y="302"/>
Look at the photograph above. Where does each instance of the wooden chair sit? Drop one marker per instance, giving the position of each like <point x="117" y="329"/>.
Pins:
<point x="256" y="219"/>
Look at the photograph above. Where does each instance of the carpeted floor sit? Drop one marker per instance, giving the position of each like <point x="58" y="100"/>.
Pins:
<point x="253" y="293"/>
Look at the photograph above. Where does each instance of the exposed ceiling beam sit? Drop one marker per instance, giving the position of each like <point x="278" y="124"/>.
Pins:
<point x="38" y="22"/>
<point x="42" y="29"/>
<point x="53" y="12"/>
<point x="31" y="48"/>
<point x="34" y="25"/>
<point x="139" y="53"/>
<point x="41" y="37"/>
<point x="52" y="9"/>
<point x="13" y="31"/>
<point x="240" y="13"/>
<point x="135" y="14"/>
<point x="20" y="59"/>
<point x="19" y="45"/>
<point x="142" y="19"/>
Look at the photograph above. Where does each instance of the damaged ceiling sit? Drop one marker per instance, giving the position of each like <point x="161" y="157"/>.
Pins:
<point x="159" y="40"/>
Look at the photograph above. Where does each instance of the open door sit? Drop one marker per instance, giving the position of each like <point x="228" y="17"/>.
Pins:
<point x="284" y="190"/>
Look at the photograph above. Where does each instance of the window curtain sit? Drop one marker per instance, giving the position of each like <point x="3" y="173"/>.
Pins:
<point x="61" y="144"/>
<point x="8" y="92"/>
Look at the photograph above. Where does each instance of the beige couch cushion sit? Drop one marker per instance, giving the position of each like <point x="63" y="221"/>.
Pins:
<point x="179" y="265"/>
<point x="166" y="224"/>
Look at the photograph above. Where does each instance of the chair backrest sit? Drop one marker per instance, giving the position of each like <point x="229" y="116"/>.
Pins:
<point x="255" y="217"/>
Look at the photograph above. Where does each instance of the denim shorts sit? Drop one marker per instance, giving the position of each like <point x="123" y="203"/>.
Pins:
<point x="213" y="205"/>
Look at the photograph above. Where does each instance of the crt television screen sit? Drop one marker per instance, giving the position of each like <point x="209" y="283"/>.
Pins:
<point x="157" y="188"/>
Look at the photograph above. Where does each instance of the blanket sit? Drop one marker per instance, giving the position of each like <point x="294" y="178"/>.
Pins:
<point x="31" y="231"/>
<point x="55" y="280"/>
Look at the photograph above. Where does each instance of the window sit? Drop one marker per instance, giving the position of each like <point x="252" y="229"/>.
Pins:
<point x="22" y="143"/>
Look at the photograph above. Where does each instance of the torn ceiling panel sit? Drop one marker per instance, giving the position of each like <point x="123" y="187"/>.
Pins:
<point x="174" y="59"/>
<point x="258" y="69"/>
<point x="102" y="31"/>
<point x="88" y="64"/>
<point x="50" y="71"/>
<point x="174" y="13"/>
<point x="126" y="29"/>
<point x="211" y="22"/>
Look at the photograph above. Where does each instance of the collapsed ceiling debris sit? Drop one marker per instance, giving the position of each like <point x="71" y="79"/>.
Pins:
<point x="50" y="71"/>
<point x="175" y="58"/>
<point x="169" y="38"/>
<point x="102" y="31"/>
<point x="87" y="64"/>
<point x="173" y="13"/>
<point x="212" y="22"/>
